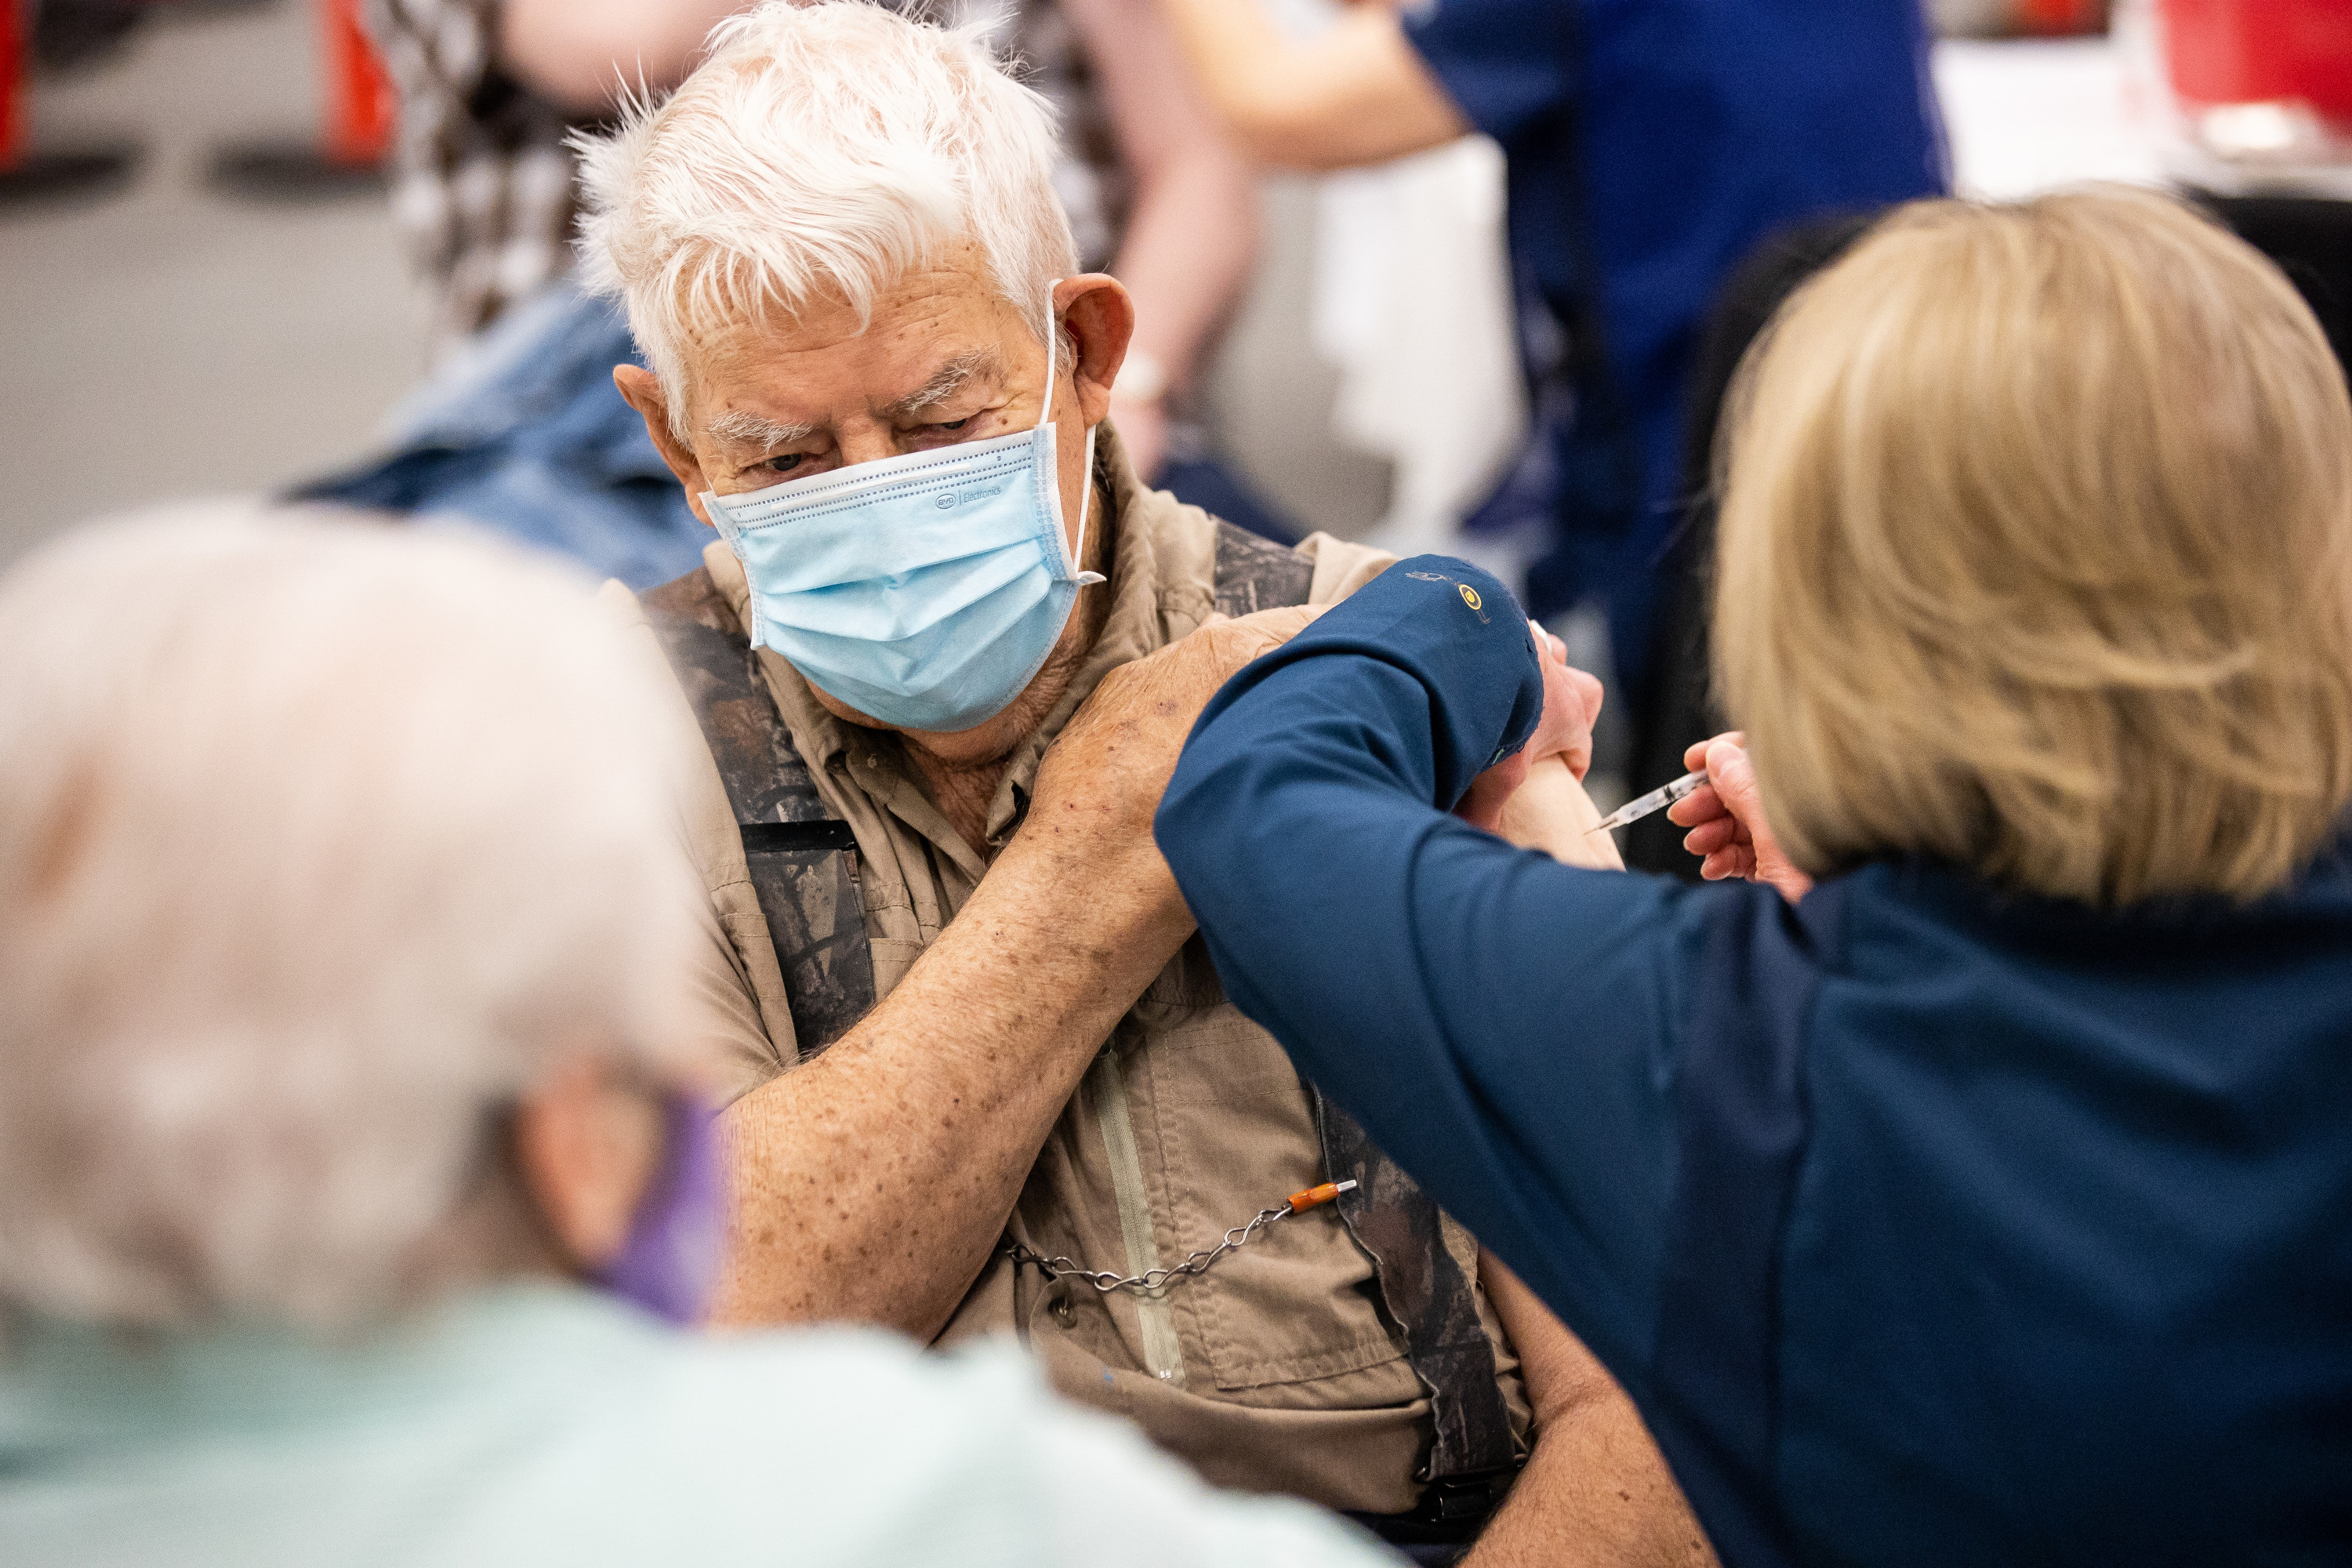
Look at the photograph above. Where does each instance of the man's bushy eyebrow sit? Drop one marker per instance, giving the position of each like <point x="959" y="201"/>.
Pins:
<point x="946" y="382"/>
<point x="741" y="428"/>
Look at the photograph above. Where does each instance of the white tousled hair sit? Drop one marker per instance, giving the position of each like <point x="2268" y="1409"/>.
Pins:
<point x="817" y="154"/>
<point x="322" y="842"/>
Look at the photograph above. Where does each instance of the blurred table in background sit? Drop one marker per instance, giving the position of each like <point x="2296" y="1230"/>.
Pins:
<point x="2026" y="116"/>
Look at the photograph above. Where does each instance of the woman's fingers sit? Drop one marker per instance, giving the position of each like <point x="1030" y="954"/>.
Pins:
<point x="1565" y="730"/>
<point x="1726" y="864"/>
<point x="1588" y="686"/>
<point x="1547" y="646"/>
<point x="1732" y="775"/>
<point x="1694" y="755"/>
<point x="1702" y="804"/>
<point x="1709" y="836"/>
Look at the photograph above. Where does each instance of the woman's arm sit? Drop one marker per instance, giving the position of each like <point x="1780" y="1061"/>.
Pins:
<point x="578" y="54"/>
<point x="1192" y="230"/>
<point x="1503" y="1024"/>
<point x="1356" y="94"/>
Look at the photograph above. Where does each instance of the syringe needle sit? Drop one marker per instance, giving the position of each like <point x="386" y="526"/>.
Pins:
<point x="1656" y="800"/>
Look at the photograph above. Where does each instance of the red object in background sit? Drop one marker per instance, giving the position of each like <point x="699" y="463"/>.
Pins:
<point x="16" y="77"/>
<point x="361" y="107"/>
<point x="2261" y="51"/>
<point x="349" y="155"/>
<point x="26" y="175"/>
<point x="2060" y="19"/>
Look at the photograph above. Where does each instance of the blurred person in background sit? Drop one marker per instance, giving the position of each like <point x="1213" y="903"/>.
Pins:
<point x="354" y="1181"/>
<point x="872" y="366"/>
<point x="521" y="429"/>
<point x="1649" y="148"/>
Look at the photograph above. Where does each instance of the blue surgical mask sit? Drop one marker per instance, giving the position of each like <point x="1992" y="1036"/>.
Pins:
<point x="925" y="590"/>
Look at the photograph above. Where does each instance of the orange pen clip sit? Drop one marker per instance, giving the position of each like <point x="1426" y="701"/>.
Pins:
<point x="1315" y="1197"/>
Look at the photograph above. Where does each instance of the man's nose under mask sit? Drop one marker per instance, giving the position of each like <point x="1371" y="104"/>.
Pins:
<point x="925" y="591"/>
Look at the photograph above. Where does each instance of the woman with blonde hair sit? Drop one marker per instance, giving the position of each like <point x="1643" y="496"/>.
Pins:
<point x="1972" y="1183"/>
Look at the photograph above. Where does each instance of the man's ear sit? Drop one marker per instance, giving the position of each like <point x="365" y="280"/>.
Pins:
<point x="1100" y="313"/>
<point x="643" y="392"/>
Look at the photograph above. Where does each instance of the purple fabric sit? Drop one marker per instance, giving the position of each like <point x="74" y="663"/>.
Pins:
<point x="668" y="1263"/>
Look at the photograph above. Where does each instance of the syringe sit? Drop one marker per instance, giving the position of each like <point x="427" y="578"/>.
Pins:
<point x="1658" y="799"/>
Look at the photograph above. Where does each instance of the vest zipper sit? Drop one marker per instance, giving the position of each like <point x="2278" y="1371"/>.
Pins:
<point x="1164" y="1355"/>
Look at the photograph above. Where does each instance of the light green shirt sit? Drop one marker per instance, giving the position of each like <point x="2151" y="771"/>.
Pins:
<point x="543" y="1423"/>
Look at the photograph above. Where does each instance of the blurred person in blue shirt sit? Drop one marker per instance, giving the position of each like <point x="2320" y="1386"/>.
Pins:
<point x="354" y="1191"/>
<point x="1650" y="145"/>
<point x="1970" y="1185"/>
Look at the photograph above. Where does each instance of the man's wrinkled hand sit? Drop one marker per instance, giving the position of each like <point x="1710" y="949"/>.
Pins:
<point x="1105" y="775"/>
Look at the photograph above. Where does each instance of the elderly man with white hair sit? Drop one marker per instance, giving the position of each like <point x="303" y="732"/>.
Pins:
<point x="874" y="373"/>
<point x="350" y="1155"/>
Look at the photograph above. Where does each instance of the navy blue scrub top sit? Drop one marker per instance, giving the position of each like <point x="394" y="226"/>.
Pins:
<point x="1650" y="144"/>
<point x="1926" y="1225"/>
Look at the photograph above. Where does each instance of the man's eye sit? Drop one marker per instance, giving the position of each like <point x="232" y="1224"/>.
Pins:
<point x="784" y="462"/>
<point x="954" y="424"/>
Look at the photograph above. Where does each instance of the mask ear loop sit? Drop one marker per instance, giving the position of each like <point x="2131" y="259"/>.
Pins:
<point x="1087" y="477"/>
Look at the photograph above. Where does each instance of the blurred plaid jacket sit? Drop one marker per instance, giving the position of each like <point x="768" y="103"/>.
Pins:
<point x="484" y="185"/>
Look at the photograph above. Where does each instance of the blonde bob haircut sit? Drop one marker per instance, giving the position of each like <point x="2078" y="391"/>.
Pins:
<point x="2036" y="556"/>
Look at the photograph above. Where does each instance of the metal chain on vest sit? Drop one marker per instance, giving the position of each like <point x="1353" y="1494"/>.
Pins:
<point x="1158" y="1279"/>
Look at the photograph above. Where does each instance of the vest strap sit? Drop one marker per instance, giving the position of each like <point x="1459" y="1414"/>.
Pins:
<point x="803" y="859"/>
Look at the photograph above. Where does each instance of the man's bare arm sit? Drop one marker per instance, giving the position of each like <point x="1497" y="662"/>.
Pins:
<point x="871" y="1183"/>
<point x="1356" y="94"/>
<point x="1596" y="1491"/>
<point x="580" y="54"/>
<point x="1550" y="812"/>
<point x="1192" y="224"/>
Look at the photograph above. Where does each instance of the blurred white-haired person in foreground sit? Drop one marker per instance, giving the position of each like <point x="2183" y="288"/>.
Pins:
<point x="353" y="1196"/>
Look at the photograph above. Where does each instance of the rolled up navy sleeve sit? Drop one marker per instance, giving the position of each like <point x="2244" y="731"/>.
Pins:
<point x="1503" y="1024"/>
